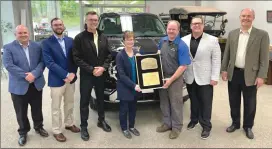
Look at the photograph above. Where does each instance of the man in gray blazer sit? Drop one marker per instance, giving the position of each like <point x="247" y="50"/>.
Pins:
<point x="245" y="66"/>
<point x="202" y="74"/>
<point x="23" y="60"/>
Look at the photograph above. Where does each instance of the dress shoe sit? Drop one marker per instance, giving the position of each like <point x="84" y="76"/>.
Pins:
<point x="205" y="134"/>
<point x="127" y="134"/>
<point x="84" y="134"/>
<point x="191" y="125"/>
<point x="22" y="140"/>
<point x="60" y="137"/>
<point x="42" y="132"/>
<point x="249" y="133"/>
<point x="232" y="128"/>
<point x="163" y="128"/>
<point x="134" y="131"/>
<point x="174" y="133"/>
<point x="103" y="124"/>
<point x="73" y="128"/>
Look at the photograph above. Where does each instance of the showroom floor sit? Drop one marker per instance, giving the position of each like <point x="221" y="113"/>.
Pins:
<point x="148" y="118"/>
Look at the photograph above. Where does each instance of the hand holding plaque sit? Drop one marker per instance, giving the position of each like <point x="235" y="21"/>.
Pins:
<point x="149" y="71"/>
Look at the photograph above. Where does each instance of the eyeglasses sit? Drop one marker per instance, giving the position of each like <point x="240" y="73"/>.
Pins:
<point x="198" y="23"/>
<point x="93" y="20"/>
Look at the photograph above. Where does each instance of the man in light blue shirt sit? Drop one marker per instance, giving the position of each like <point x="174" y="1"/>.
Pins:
<point x="57" y="54"/>
<point x="23" y="60"/>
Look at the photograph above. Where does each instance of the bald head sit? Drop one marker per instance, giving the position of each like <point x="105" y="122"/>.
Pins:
<point x="246" y="18"/>
<point x="22" y="34"/>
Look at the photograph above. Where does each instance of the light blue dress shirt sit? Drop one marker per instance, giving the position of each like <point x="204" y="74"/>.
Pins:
<point x="26" y="52"/>
<point x="62" y="45"/>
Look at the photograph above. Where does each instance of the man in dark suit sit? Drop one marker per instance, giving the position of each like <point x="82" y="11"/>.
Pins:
<point x="91" y="53"/>
<point x="245" y="66"/>
<point x="57" y="54"/>
<point x="23" y="60"/>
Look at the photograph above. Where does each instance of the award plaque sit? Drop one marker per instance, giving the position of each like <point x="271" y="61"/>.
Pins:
<point x="149" y="71"/>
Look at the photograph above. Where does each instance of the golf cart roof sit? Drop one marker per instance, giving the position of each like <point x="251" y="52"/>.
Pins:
<point x="196" y="10"/>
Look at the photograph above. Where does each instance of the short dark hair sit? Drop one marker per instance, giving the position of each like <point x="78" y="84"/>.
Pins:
<point x="198" y="17"/>
<point x="55" y="19"/>
<point x="91" y="13"/>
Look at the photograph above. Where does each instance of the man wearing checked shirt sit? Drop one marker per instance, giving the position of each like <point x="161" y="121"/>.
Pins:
<point x="57" y="54"/>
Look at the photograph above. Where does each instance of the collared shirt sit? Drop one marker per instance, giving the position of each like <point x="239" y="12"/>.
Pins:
<point x="26" y="52"/>
<point x="241" y="49"/>
<point x="96" y="41"/>
<point x="173" y="54"/>
<point x="194" y="44"/>
<point x="62" y="44"/>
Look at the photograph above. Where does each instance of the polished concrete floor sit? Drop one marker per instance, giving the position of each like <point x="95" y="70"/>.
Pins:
<point x="148" y="118"/>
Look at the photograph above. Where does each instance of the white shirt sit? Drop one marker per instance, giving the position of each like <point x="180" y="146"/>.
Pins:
<point x="95" y="41"/>
<point x="241" y="49"/>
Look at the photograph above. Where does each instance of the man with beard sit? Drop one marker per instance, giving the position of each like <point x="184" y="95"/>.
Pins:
<point x="91" y="53"/>
<point x="23" y="60"/>
<point x="245" y="66"/>
<point x="57" y="54"/>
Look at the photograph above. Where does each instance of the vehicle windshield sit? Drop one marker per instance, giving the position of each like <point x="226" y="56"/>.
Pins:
<point x="141" y="25"/>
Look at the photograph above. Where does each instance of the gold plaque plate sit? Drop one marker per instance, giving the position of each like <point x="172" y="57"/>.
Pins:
<point x="151" y="78"/>
<point x="149" y="63"/>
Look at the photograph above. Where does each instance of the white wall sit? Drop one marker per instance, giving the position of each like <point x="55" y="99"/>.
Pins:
<point x="233" y="9"/>
<point x="158" y="7"/>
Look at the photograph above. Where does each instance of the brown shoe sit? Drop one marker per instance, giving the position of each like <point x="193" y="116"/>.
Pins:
<point x="174" y="134"/>
<point x="163" y="128"/>
<point x="60" y="137"/>
<point x="73" y="128"/>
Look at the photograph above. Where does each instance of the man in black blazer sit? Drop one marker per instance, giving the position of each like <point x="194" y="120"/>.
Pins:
<point x="91" y="53"/>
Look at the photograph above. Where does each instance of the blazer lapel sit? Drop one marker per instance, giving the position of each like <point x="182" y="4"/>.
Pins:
<point x="23" y="52"/>
<point x="201" y="42"/>
<point x="57" y="45"/>
<point x="66" y="46"/>
<point x="251" y="38"/>
<point x="126" y="62"/>
<point x="236" y="41"/>
<point x="31" y="52"/>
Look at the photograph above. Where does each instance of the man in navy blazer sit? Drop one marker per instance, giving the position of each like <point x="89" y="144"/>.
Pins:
<point x="62" y="75"/>
<point x="23" y="60"/>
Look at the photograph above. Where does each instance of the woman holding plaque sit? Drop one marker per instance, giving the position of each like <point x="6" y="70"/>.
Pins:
<point x="127" y="89"/>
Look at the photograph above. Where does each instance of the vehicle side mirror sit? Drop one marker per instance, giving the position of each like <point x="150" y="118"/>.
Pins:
<point x="225" y="21"/>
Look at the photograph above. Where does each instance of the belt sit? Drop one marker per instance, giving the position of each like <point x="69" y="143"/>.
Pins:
<point x="240" y="69"/>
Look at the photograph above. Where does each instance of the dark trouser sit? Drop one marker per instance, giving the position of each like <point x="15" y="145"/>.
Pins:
<point x="171" y="104"/>
<point x="201" y="97"/>
<point x="127" y="109"/>
<point x="235" y="87"/>
<point x="20" y="103"/>
<point x="86" y="85"/>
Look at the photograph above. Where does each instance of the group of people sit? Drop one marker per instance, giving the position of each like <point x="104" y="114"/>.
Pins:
<point x="195" y="58"/>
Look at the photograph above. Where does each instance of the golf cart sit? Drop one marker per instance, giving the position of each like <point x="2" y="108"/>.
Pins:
<point x="214" y="22"/>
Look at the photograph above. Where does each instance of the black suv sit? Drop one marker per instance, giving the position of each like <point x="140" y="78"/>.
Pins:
<point x="148" y="29"/>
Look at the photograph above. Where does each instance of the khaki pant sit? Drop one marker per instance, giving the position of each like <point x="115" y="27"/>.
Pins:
<point x="66" y="91"/>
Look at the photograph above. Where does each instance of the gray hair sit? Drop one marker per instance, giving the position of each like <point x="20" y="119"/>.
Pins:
<point x="250" y="9"/>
